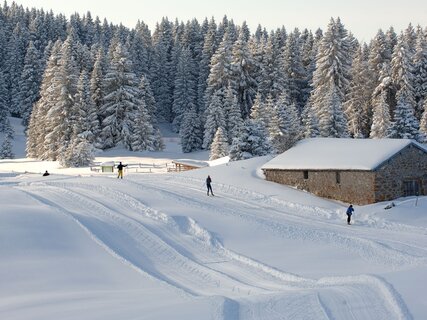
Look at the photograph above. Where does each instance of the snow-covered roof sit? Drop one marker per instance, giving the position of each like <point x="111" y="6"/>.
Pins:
<point x="192" y="163"/>
<point x="107" y="164"/>
<point x="341" y="154"/>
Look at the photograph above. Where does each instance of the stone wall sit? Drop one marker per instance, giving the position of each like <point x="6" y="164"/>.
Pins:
<point x="353" y="187"/>
<point x="409" y="164"/>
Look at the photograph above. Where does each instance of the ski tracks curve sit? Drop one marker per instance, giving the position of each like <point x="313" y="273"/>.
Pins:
<point x="173" y="250"/>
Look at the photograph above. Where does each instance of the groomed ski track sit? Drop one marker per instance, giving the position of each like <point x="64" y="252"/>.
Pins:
<point x="180" y="252"/>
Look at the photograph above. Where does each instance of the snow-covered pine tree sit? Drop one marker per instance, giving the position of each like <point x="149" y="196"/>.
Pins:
<point x="85" y="112"/>
<point x="120" y="102"/>
<point x="259" y="110"/>
<point x="220" y="70"/>
<point x="358" y="96"/>
<point x="209" y="47"/>
<point x="405" y="125"/>
<point x="39" y="120"/>
<point x="379" y="53"/>
<point x="3" y="98"/>
<point x="219" y="146"/>
<point x="381" y="117"/>
<point x="140" y="49"/>
<point x="289" y="123"/>
<point x="420" y="74"/>
<point x="191" y="132"/>
<point x="310" y="122"/>
<point x="142" y="131"/>
<point x="64" y="83"/>
<point x="161" y="69"/>
<point x="423" y="124"/>
<point x="242" y="74"/>
<point x="402" y="73"/>
<point x="6" y="149"/>
<point x="293" y="70"/>
<point x="214" y="118"/>
<point x="332" y="120"/>
<point x="18" y="43"/>
<point x="184" y="95"/>
<point x="30" y="83"/>
<point x="332" y="73"/>
<point x="233" y="115"/>
<point x="80" y="153"/>
<point x="252" y="141"/>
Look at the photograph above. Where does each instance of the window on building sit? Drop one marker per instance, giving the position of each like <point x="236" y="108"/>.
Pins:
<point x="305" y="174"/>
<point x="338" y="177"/>
<point x="411" y="188"/>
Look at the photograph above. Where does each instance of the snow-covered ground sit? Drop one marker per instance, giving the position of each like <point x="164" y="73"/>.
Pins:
<point x="81" y="244"/>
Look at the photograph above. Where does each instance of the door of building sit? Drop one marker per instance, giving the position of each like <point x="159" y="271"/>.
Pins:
<point x="411" y="188"/>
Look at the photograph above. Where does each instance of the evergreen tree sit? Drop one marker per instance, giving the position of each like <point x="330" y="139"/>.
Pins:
<point x="148" y="97"/>
<point x="219" y="147"/>
<point x="242" y="74"/>
<point x="423" y="124"/>
<point x="405" y="125"/>
<point x="233" y="116"/>
<point x="15" y="64"/>
<point x="420" y="74"/>
<point x="358" y="97"/>
<point x="64" y="83"/>
<point x="161" y="69"/>
<point x="191" y="132"/>
<point x="209" y="47"/>
<point x="402" y="73"/>
<point x="214" y="118"/>
<point x="80" y="153"/>
<point x="121" y="100"/>
<point x="251" y="142"/>
<point x="30" y="83"/>
<point x="86" y="122"/>
<point x="185" y="88"/>
<point x="293" y="70"/>
<point x="6" y="149"/>
<point x="40" y="121"/>
<point x="220" y="71"/>
<point x="332" y="72"/>
<point x="332" y="120"/>
<point x="289" y="123"/>
<point x="381" y="117"/>
<point x="310" y="122"/>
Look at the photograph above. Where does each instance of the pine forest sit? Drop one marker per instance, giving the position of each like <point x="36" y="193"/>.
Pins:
<point x="80" y="84"/>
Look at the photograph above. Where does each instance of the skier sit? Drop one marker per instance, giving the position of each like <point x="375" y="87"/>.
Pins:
<point x="208" y="184"/>
<point x="350" y="211"/>
<point x="120" y="168"/>
<point x="45" y="174"/>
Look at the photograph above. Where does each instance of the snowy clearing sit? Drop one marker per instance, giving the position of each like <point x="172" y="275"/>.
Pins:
<point x="84" y="245"/>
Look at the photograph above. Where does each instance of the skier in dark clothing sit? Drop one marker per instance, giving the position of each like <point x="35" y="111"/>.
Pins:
<point x="45" y="174"/>
<point x="208" y="184"/>
<point x="350" y="211"/>
<point x="120" y="169"/>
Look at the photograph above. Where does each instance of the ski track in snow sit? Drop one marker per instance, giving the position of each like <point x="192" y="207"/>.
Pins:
<point x="181" y="254"/>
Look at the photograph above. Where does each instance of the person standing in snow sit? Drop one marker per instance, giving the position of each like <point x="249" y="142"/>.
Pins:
<point x="208" y="184"/>
<point x="350" y="211"/>
<point x="45" y="174"/>
<point x="120" y="169"/>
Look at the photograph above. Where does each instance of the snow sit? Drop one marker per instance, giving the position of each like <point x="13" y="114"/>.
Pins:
<point x="80" y="244"/>
<point x="342" y="154"/>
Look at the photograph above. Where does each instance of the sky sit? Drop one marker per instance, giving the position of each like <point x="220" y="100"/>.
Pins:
<point x="363" y="17"/>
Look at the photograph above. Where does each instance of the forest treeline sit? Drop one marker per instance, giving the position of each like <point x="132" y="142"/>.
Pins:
<point x="81" y="84"/>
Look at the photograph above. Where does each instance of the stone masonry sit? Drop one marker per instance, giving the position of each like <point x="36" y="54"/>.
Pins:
<point x="408" y="164"/>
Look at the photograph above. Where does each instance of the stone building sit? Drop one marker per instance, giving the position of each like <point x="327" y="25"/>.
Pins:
<point x="358" y="171"/>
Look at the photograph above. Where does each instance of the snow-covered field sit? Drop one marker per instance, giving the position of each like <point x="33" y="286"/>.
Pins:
<point x="80" y="244"/>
